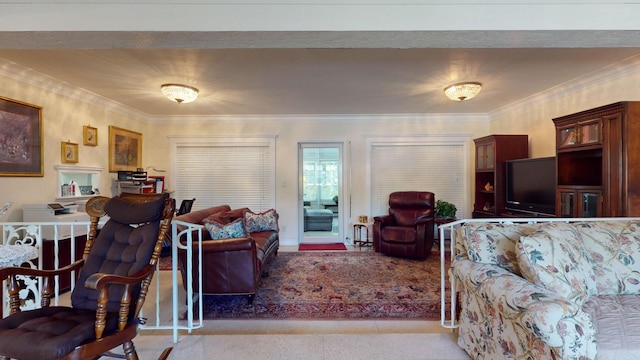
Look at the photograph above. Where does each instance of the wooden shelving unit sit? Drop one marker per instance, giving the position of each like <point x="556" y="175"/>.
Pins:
<point x="598" y="162"/>
<point x="489" y="188"/>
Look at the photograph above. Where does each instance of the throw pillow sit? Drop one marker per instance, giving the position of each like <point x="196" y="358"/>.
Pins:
<point x="554" y="257"/>
<point x="495" y="244"/>
<point x="614" y="251"/>
<point x="232" y="230"/>
<point x="257" y="222"/>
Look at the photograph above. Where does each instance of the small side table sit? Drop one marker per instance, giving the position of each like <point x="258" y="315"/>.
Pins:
<point x="358" y="239"/>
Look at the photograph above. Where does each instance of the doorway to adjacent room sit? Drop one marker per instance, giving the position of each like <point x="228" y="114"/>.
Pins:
<point x="320" y="190"/>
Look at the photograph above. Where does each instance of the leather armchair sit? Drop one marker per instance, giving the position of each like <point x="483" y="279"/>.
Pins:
<point x="408" y="230"/>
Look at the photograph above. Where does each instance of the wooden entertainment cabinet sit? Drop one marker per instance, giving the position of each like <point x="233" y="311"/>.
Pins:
<point x="598" y="162"/>
<point x="491" y="153"/>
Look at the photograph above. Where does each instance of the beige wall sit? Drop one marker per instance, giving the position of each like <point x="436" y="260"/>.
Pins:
<point x="64" y="117"/>
<point x="535" y="117"/>
<point x="352" y="131"/>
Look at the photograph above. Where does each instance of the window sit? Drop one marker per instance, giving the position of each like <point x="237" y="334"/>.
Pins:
<point x="321" y="175"/>
<point x="237" y="172"/>
<point x="426" y="164"/>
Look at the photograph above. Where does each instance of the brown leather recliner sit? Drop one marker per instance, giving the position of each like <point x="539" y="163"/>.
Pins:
<point x="408" y="230"/>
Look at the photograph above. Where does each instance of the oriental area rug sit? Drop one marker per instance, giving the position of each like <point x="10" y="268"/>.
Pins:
<point x="338" y="285"/>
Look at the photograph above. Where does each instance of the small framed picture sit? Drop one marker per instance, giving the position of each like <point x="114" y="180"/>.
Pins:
<point x="90" y="135"/>
<point x="69" y="152"/>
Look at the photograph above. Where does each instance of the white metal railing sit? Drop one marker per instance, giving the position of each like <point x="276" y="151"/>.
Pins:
<point x="189" y="323"/>
<point x="454" y="226"/>
<point x="31" y="234"/>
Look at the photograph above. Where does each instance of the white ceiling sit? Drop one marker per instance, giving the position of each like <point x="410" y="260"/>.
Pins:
<point x="403" y="79"/>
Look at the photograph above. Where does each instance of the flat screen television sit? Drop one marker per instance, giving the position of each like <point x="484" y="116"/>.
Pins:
<point x="531" y="186"/>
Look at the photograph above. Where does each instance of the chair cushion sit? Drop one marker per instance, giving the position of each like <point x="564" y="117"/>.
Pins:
<point x="399" y="234"/>
<point x="232" y="230"/>
<point x="555" y="258"/>
<point x="127" y="212"/>
<point x="56" y="330"/>
<point x="119" y="249"/>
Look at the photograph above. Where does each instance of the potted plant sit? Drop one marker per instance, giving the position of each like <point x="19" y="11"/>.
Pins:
<point x="445" y="210"/>
<point x="335" y="199"/>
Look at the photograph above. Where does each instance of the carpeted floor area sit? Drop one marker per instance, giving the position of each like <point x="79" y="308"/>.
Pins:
<point x="338" y="285"/>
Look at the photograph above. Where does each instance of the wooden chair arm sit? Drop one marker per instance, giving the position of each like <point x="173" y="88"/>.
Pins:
<point x="101" y="283"/>
<point x="11" y="274"/>
<point x="16" y="270"/>
<point x="99" y="280"/>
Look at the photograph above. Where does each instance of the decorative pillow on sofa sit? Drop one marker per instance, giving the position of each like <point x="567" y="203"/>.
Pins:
<point x="495" y="244"/>
<point x="614" y="251"/>
<point x="232" y="230"/>
<point x="257" y="222"/>
<point x="554" y="257"/>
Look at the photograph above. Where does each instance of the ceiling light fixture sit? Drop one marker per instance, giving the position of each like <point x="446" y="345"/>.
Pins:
<point x="179" y="93"/>
<point x="462" y="91"/>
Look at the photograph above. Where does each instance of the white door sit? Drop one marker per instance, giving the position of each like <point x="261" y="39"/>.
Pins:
<point x="319" y="192"/>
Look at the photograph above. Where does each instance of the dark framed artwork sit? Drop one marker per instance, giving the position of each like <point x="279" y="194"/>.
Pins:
<point x="69" y="152"/>
<point x="90" y="135"/>
<point x="125" y="150"/>
<point x="21" y="146"/>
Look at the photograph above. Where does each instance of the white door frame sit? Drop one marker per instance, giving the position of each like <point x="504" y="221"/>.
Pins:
<point x="343" y="194"/>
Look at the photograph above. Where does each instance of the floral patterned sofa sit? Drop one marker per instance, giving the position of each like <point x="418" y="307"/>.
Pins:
<point x="549" y="290"/>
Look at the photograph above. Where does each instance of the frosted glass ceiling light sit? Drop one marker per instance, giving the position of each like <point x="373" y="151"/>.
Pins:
<point x="179" y="93"/>
<point x="462" y="91"/>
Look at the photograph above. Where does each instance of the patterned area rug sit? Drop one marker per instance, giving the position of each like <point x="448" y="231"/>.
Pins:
<point x="338" y="285"/>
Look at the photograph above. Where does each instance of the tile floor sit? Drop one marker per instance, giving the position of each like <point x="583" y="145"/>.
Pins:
<point x="300" y="339"/>
<point x="305" y="339"/>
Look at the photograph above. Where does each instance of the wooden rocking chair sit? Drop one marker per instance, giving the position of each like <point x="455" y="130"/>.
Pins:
<point x="113" y="279"/>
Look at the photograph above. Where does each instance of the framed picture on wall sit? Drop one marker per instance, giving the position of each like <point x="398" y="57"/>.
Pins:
<point x="125" y="150"/>
<point x="21" y="146"/>
<point x="69" y="152"/>
<point x="90" y="135"/>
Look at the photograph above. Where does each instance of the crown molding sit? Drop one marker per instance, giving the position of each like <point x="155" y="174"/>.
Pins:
<point x="50" y="84"/>
<point x="317" y="118"/>
<point x="626" y="68"/>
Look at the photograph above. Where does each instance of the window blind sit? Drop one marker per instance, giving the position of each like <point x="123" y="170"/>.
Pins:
<point x="240" y="175"/>
<point x="438" y="168"/>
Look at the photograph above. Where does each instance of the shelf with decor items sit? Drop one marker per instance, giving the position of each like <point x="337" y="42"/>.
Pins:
<point x="77" y="182"/>
<point x="598" y="162"/>
<point x="489" y="182"/>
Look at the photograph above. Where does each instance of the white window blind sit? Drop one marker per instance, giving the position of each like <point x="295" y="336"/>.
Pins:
<point x="438" y="168"/>
<point x="239" y="175"/>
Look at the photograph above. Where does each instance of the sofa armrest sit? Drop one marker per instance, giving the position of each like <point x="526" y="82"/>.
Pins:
<point x="237" y="244"/>
<point x="532" y="307"/>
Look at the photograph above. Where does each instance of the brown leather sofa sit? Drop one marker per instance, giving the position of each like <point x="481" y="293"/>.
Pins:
<point x="230" y="266"/>
<point x="408" y="230"/>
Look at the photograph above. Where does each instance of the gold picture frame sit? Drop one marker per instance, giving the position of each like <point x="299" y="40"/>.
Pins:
<point x="69" y="152"/>
<point x="90" y="135"/>
<point x="125" y="149"/>
<point x="21" y="132"/>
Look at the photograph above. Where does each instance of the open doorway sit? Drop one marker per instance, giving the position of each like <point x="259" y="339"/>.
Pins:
<point x="320" y="189"/>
